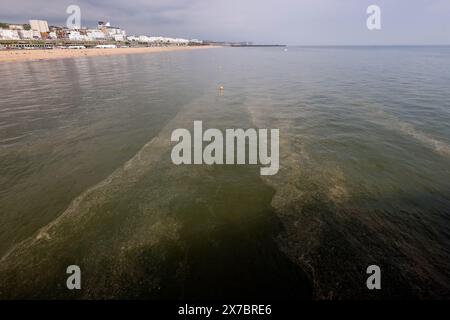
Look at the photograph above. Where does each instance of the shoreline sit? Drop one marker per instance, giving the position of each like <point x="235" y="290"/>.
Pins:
<point x="51" y="54"/>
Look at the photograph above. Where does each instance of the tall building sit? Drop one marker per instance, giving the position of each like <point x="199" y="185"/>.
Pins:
<point x="40" y="26"/>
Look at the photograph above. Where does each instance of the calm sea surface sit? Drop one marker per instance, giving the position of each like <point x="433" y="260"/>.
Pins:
<point x="86" y="176"/>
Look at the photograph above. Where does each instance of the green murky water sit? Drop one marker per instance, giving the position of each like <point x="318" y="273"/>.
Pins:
<point x="86" y="175"/>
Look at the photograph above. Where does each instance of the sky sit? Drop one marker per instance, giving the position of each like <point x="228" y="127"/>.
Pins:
<point x="293" y="22"/>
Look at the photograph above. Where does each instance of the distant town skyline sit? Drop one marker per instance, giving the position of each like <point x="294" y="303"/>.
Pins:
<point x="294" y="22"/>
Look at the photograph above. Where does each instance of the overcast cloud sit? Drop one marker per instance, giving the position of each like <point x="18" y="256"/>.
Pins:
<point x="303" y="22"/>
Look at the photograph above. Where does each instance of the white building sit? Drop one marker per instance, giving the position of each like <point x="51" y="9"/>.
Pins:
<point x="179" y="42"/>
<point x="39" y="25"/>
<point x="36" y="34"/>
<point x="7" y="34"/>
<point x="144" y="39"/>
<point x="196" y="41"/>
<point x="112" y="32"/>
<point x="132" y="38"/>
<point x="16" y="27"/>
<point x="26" y="34"/>
<point x="156" y="39"/>
<point x="119" y="37"/>
<point x="95" y="34"/>
<point x="76" y="36"/>
<point x="160" y="40"/>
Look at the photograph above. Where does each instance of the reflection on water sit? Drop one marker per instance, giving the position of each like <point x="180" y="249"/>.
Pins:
<point x="86" y="176"/>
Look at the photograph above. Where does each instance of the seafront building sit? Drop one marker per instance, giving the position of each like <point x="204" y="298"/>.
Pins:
<point x="161" y="40"/>
<point x="40" y="26"/>
<point x="104" y="34"/>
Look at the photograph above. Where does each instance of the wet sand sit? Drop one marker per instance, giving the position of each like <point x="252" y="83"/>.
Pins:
<point x="36" y="55"/>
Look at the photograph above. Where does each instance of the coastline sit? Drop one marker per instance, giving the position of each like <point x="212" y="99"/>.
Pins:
<point x="41" y="55"/>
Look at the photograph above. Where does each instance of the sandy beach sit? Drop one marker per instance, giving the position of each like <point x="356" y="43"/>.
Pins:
<point x="38" y="55"/>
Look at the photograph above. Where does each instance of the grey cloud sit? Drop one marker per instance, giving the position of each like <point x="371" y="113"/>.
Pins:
<point x="274" y="21"/>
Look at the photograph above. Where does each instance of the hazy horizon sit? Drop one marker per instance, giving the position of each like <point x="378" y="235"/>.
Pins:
<point x="303" y="22"/>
